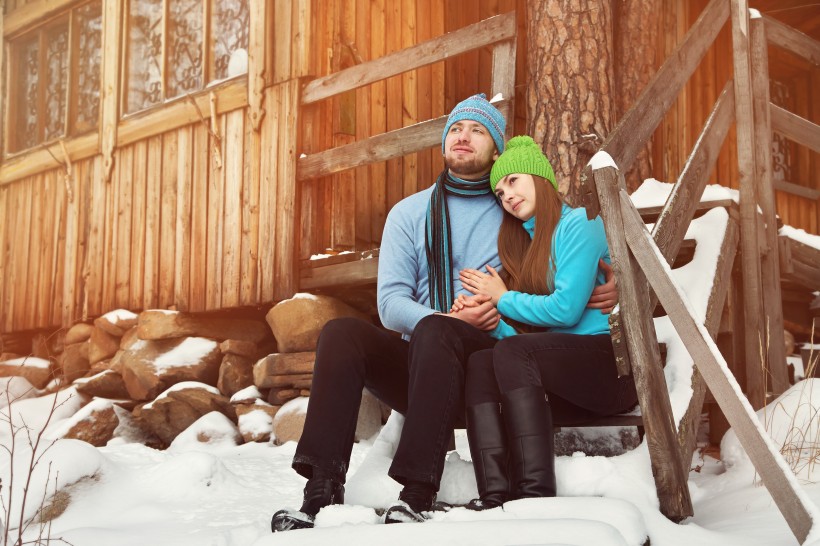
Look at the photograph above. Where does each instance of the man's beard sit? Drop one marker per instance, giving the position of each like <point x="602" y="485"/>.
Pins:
<point x="468" y="167"/>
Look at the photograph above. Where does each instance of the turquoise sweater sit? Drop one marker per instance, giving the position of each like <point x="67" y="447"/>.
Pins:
<point x="577" y="245"/>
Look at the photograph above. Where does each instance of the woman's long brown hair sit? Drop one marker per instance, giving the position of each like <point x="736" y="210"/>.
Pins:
<point x="527" y="261"/>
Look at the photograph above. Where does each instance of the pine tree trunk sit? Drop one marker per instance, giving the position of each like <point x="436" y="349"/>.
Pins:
<point x="569" y="93"/>
<point x="637" y="27"/>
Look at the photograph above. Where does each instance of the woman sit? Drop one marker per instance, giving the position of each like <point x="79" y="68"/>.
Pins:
<point x="562" y="367"/>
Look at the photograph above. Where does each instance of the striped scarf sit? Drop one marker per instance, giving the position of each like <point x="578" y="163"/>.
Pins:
<point x="437" y="239"/>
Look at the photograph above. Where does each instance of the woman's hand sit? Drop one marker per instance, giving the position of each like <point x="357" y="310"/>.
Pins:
<point x="482" y="283"/>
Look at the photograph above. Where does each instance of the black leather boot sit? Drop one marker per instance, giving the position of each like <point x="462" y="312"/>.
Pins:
<point x="488" y="446"/>
<point x="320" y="490"/>
<point x="528" y="420"/>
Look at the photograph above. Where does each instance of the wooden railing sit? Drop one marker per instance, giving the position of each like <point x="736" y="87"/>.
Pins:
<point x="498" y="31"/>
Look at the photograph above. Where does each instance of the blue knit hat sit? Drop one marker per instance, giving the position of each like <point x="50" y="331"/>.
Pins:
<point x="478" y="108"/>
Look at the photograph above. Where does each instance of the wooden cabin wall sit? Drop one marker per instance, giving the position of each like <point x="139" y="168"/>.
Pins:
<point x="347" y="211"/>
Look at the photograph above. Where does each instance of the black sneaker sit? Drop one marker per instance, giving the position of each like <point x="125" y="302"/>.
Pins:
<point x="320" y="491"/>
<point x="477" y="505"/>
<point x="414" y="504"/>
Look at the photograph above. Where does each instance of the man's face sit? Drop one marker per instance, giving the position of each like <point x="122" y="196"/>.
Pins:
<point x="469" y="150"/>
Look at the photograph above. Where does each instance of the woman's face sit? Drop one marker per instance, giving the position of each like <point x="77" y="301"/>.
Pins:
<point x="516" y="192"/>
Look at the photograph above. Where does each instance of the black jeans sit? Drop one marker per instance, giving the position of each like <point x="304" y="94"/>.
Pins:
<point x="423" y="379"/>
<point x="577" y="373"/>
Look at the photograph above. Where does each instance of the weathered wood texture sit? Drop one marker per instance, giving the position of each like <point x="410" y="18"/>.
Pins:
<point x="668" y="468"/>
<point x="778" y="478"/>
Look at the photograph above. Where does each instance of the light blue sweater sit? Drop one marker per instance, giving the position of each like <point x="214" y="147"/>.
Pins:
<point x="402" y="289"/>
<point x="577" y="245"/>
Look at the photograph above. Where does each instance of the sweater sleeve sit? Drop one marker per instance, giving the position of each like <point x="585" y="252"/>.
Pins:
<point x="502" y="330"/>
<point x="578" y="245"/>
<point x="397" y="285"/>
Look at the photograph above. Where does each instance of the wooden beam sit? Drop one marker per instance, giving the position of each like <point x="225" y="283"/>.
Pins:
<point x="775" y="345"/>
<point x="32" y="13"/>
<point x="684" y="199"/>
<point x="110" y="97"/>
<point x="492" y="30"/>
<point x="793" y="503"/>
<point x="795" y="127"/>
<point x="669" y="470"/>
<point x="749" y="237"/>
<point x="377" y="148"/>
<point x="797" y="189"/>
<point x="792" y="40"/>
<point x="258" y="16"/>
<point x="39" y="159"/>
<point x="504" y="79"/>
<point x="340" y="274"/>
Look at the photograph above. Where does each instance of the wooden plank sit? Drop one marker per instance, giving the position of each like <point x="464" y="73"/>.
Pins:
<point x="395" y="143"/>
<point x="152" y="223"/>
<point x="110" y="97"/>
<point x="793" y="503"/>
<point x="750" y="250"/>
<point x="793" y="40"/>
<point x="302" y="39"/>
<point x="424" y="169"/>
<point x="216" y="221"/>
<point x="797" y="189"/>
<point x="688" y="427"/>
<point x="286" y="269"/>
<point x="495" y="29"/>
<point x="282" y="36"/>
<point x="138" y="215"/>
<point x="182" y="219"/>
<point x="341" y="274"/>
<point x="167" y="220"/>
<point x="769" y="265"/>
<point x="249" y="256"/>
<point x="15" y="209"/>
<point x="503" y="77"/>
<point x="199" y="218"/>
<point x="92" y="266"/>
<point x="37" y="160"/>
<point x="394" y="103"/>
<point x="684" y="199"/>
<point x="122" y="250"/>
<point x="409" y="96"/>
<point x="795" y="127"/>
<point x="59" y="250"/>
<point x="258" y="16"/>
<point x="5" y="244"/>
<point x="30" y="13"/>
<point x="109" y="283"/>
<point x="232" y="227"/>
<point x="378" y="122"/>
<point x="268" y="167"/>
<point x="669" y="470"/>
<point x="37" y="254"/>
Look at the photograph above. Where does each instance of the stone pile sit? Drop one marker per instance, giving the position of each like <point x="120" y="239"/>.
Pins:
<point x="148" y="377"/>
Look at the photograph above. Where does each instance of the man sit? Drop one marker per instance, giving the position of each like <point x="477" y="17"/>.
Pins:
<point x="427" y="236"/>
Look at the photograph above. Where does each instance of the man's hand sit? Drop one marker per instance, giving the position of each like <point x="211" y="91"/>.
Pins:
<point x="476" y="310"/>
<point x="605" y="297"/>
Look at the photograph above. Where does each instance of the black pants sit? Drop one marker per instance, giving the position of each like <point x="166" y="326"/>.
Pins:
<point x="577" y="373"/>
<point x="423" y="379"/>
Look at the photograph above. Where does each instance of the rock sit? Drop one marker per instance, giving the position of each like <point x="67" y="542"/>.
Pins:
<point x="281" y="364"/>
<point x="256" y="421"/>
<point x="248" y="395"/>
<point x="237" y="347"/>
<point x="235" y="373"/>
<point x="296" y="322"/>
<point x="102" y="345"/>
<point x="74" y="361"/>
<point x="97" y="428"/>
<point x="150" y="367"/>
<point x="212" y="428"/>
<point x="370" y="417"/>
<point x="36" y="370"/>
<point x="130" y="337"/>
<point x="295" y="381"/>
<point x="277" y="397"/>
<point x="158" y="324"/>
<point x="78" y="333"/>
<point x="107" y="384"/>
<point x="289" y="421"/>
<point x="179" y="407"/>
<point x="40" y="346"/>
<point x="116" y="322"/>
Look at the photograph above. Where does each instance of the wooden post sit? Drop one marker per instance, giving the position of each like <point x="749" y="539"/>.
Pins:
<point x="753" y="298"/>
<point x="504" y="80"/>
<point x="112" y="22"/>
<point x="257" y="60"/>
<point x="770" y="268"/>
<point x="669" y="470"/>
<point x="778" y="478"/>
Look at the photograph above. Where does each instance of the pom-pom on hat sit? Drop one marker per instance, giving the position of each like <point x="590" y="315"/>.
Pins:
<point x="478" y="108"/>
<point x="522" y="156"/>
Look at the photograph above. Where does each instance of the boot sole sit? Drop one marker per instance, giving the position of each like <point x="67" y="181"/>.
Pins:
<point x="286" y="520"/>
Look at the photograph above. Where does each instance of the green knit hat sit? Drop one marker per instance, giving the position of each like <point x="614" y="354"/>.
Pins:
<point x="522" y="156"/>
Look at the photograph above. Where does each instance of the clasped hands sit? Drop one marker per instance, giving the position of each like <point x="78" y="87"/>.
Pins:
<point x="487" y="288"/>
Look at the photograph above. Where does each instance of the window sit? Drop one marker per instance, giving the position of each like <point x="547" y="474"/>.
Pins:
<point x="179" y="46"/>
<point x="54" y="78"/>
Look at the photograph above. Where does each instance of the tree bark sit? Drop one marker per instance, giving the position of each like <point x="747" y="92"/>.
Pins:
<point x="570" y="76"/>
<point x="637" y="27"/>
